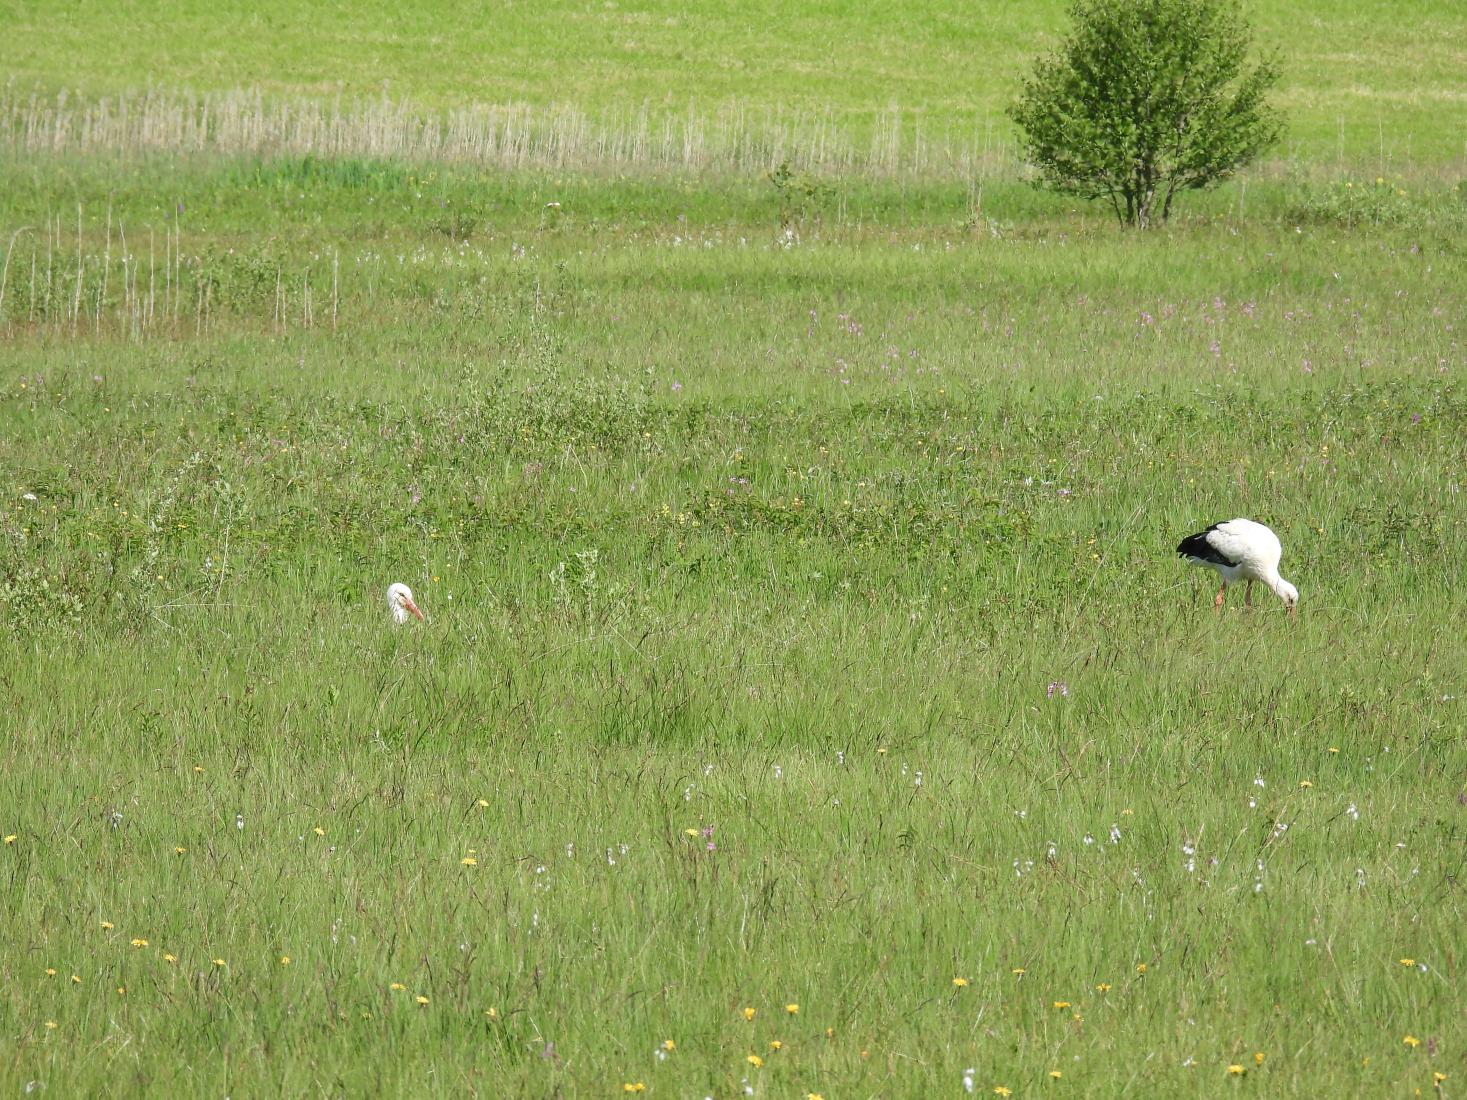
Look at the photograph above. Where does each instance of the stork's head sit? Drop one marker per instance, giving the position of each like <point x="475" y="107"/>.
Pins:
<point x="1289" y="594"/>
<point x="400" y="601"/>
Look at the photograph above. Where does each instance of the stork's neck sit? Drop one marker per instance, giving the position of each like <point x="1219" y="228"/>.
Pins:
<point x="1276" y="584"/>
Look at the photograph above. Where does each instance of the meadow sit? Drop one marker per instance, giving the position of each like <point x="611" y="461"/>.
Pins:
<point x="830" y="80"/>
<point x="811" y="702"/>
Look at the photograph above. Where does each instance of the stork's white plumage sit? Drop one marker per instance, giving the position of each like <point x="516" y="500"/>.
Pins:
<point x="400" y="600"/>
<point x="1241" y="550"/>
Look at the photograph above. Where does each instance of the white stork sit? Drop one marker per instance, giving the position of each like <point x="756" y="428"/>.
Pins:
<point x="1241" y="550"/>
<point x="400" y="600"/>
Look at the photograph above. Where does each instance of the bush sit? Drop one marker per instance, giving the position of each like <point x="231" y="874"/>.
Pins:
<point x="1382" y="203"/>
<point x="1144" y="99"/>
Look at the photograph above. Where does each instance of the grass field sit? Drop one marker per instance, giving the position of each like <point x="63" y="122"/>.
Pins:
<point x="1377" y="83"/>
<point x="811" y="702"/>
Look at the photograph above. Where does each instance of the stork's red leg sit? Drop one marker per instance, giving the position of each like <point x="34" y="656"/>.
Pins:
<point x="1217" y="604"/>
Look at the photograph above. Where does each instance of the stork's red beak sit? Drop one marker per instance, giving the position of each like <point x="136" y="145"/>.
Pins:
<point x="408" y="603"/>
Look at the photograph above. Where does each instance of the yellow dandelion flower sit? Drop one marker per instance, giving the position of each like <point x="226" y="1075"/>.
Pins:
<point x="691" y="832"/>
<point x="1003" y="1090"/>
<point x="1127" y="812"/>
<point x="1061" y="1004"/>
<point x="50" y="1025"/>
<point x="1438" y="1078"/>
<point x="1055" y="1075"/>
<point x="754" y="1060"/>
<point x="469" y="861"/>
<point x="749" y="1013"/>
<point x="1407" y="962"/>
<point x="1411" y="1041"/>
<point x="792" y="1008"/>
<point x="76" y="979"/>
<point x="198" y="770"/>
<point x="1304" y="784"/>
<point x="960" y="982"/>
<point x="140" y="943"/>
<point x="179" y="850"/>
<point x="421" y="999"/>
<point x="1140" y="968"/>
<point x="634" y="1086"/>
<point x="106" y="926"/>
<point x="775" y="1044"/>
<point x="813" y="1096"/>
<point x="50" y="972"/>
<point x="11" y="838"/>
<point x="669" y="1045"/>
<point x="1364" y="1063"/>
<point x="319" y="831"/>
<point x="881" y="751"/>
<point x="122" y="990"/>
<point x="1236" y="1070"/>
<point x="220" y="962"/>
<point x="865" y="1054"/>
<point x="284" y="960"/>
<point x="1103" y="987"/>
<point x="1332" y="749"/>
<point x="170" y="958"/>
<point x="1018" y="971"/>
<point x="483" y="803"/>
<point x="830" y="1033"/>
<point x="397" y="986"/>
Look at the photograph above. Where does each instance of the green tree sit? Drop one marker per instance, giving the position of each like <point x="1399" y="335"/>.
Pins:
<point x="1145" y="99"/>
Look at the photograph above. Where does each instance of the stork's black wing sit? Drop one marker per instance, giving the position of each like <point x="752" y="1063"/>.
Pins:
<point x="1199" y="548"/>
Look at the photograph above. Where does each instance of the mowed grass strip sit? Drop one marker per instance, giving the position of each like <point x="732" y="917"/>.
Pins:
<point x="1378" y="83"/>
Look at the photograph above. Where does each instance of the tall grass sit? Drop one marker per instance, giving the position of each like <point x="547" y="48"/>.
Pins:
<point x="730" y="138"/>
<point x="64" y="287"/>
<point x="351" y="239"/>
<point x="916" y="659"/>
<point x="811" y="701"/>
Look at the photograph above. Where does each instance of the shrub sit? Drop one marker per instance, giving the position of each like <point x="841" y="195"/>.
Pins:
<point x="1145" y="99"/>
